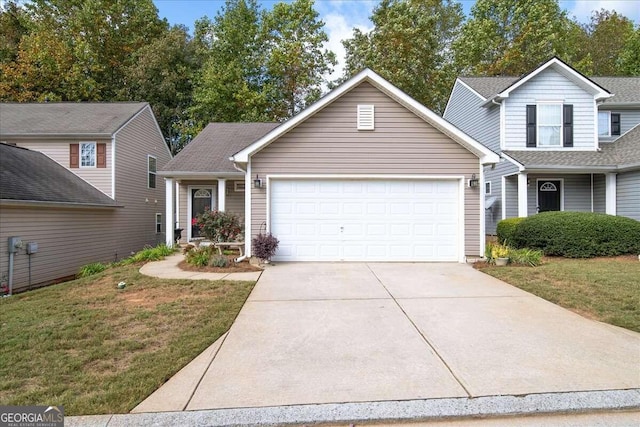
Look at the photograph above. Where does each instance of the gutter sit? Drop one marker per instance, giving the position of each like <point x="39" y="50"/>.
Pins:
<point x="56" y="135"/>
<point x="45" y="203"/>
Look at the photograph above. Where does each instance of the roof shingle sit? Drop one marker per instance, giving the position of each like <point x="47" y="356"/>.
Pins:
<point x="27" y="175"/>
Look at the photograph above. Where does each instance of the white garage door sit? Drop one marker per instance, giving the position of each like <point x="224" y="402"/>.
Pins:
<point x="365" y="220"/>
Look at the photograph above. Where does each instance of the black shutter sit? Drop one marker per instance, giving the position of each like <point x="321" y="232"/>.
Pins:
<point x="615" y="123"/>
<point x="531" y="125"/>
<point x="567" y="125"/>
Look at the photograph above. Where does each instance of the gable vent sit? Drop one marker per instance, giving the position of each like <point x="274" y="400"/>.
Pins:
<point x="365" y="117"/>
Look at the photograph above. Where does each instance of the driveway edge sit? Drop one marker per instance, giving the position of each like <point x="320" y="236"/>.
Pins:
<point x="410" y="410"/>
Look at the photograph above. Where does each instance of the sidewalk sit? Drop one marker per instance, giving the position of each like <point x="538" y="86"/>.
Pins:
<point x="168" y="269"/>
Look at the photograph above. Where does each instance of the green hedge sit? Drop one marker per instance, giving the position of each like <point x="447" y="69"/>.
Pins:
<point x="506" y="228"/>
<point x="578" y="234"/>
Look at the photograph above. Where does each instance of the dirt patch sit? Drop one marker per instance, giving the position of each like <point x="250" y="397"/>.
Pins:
<point x="240" y="267"/>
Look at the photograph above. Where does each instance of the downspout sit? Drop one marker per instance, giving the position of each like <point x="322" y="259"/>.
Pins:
<point x="243" y="257"/>
<point x="592" y="192"/>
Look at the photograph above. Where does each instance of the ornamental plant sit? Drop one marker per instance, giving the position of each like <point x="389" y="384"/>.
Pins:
<point x="265" y="245"/>
<point x="219" y="226"/>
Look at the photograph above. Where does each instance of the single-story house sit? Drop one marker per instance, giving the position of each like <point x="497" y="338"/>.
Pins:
<point x="365" y="174"/>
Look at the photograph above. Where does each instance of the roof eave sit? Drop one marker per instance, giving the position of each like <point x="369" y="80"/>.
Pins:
<point x="199" y="175"/>
<point x="56" y="135"/>
<point x="47" y="203"/>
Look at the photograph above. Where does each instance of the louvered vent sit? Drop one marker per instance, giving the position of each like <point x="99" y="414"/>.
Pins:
<point x="365" y="117"/>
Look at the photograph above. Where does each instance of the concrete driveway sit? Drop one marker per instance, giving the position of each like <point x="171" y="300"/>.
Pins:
<point x="362" y="332"/>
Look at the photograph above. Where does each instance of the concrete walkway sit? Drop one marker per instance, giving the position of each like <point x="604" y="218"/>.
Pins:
<point x="395" y="342"/>
<point x="168" y="269"/>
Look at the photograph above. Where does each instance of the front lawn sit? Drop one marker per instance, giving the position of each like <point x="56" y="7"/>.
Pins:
<point x="96" y="349"/>
<point x="604" y="289"/>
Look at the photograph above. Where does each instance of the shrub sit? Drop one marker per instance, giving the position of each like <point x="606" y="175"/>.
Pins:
<point x="219" y="226"/>
<point x="524" y="256"/>
<point x="91" y="269"/>
<point x="506" y="228"/>
<point x="149" y="253"/>
<point x="578" y="234"/>
<point x="264" y="245"/>
<point x="200" y="256"/>
<point x="220" y="261"/>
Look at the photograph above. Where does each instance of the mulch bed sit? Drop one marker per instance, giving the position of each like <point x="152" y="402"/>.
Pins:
<point x="240" y="267"/>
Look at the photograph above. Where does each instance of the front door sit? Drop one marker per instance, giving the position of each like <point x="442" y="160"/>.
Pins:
<point x="549" y="195"/>
<point x="201" y="199"/>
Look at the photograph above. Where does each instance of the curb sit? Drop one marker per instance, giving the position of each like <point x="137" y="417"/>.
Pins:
<point x="386" y="411"/>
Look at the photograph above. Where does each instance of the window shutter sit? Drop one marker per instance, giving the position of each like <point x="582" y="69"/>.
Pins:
<point x="101" y="155"/>
<point x="615" y="123"/>
<point x="567" y="125"/>
<point x="74" y="155"/>
<point x="531" y="125"/>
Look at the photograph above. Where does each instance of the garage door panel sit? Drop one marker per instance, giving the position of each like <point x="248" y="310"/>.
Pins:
<point x="359" y="220"/>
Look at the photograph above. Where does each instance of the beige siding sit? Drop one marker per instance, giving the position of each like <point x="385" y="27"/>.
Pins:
<point x="67" y="239"/>
<point x="235" y="199"/>
<point x="136" y="225"/>
<point x="401" y="144"/>
<point x="58" y="151"/>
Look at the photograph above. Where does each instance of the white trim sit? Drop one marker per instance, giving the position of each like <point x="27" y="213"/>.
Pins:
<point x="565" y="70"/>
<point x="560" y="125"/>
<point x="176" y="202"/>
<point x="485" y="188"/>
<point x="461" y="189"/>
<point x="453" y="89"/>
<point x="503" y="126"/>
<point x="113" y="167"/>
<point x="169" y="204"/>
<point x="153" y="117"/>
<point x="512" y="160"/>
<point x="483" y="213"/>
<point x="503" y="197"/>
<point x="486" y="156"/>
<point x="523" y="212"/>
<point x="158" y="223"/>
<point x="95" y="154"/>
<point x="608" y="113"/>
<point x="611" y="193"/>
<point x="248" y="192"/>
<point x="222" y="194"/>
<point x="237" y="188"/>
<point x="190" y="202"/>
<point x="591" y="192"/>
<point x="561" y="191"/>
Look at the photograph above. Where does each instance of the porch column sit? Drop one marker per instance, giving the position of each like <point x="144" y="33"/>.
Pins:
<point x="222" y="194"/>
<point x="522" y="195"/>
<point x="610" y="193"/>
<point x="169" y="203"/>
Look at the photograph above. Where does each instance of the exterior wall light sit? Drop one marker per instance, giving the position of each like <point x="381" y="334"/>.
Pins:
<point x="257" y="183"/>
<point x="474" y="182"/>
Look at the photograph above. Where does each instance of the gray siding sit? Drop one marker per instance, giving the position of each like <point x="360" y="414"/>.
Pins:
<point x="465" y="112"/>
<point x="235" y="200"/>
<point x="494" y="175"/>
<point x="329" y="143"/>
<point x="511" y="196"/>
<point x="628" y="195"/>
<point x="599" y="193"/>
<point x="549" y="85"/>
<point x="628" y="120"/>
<point x="136" y="226"/>
<point x="67" y="239"/>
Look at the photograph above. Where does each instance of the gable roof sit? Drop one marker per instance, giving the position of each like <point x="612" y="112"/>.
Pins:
<point x="486" y="155"/>
<point x="209" y="152"/>
<point x="488" y="86"/>
<point x="60" y="119"/>
<point x="30" y="176"/>
<point x="624" y="153"/>
<point x="626" y="90"/>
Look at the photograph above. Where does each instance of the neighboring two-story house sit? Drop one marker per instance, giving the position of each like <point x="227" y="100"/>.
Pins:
<point x="566" y="141"/>
<point x="115" y="209"/>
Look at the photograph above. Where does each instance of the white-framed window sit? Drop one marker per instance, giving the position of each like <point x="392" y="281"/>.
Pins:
<point x="158" y="223"/>
<point x="151" y="171"/>
<point x="487" y="188"/>
<point x="549" y="124"/>
<point x="238" y="186"/>
<point x="88" y="154"/>
<point x="604" y="123"/>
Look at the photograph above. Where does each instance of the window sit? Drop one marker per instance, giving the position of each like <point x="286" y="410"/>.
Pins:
<point x="604" y="122"/>
<point x="88" y="155"/>
<point x="487" y="188"/>
<point x="158" y="223"/>
<point x="151" y="171"/>
<point x="238" y="186"/>
<point x="549" y="125"/>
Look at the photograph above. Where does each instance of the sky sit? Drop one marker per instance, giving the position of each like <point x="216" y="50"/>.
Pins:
<point x="341" y="16"/>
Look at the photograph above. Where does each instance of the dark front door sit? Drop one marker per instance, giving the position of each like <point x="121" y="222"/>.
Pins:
<point x="201" y="199"/>
<point x="549" y="195"/>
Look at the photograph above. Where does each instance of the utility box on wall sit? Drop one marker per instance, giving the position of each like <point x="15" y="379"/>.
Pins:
<point x="32" y="248"/>
<point x="15" y="243"/>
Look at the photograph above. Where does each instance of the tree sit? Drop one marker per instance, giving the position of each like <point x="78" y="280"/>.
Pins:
<point x="629" y="60"/>
<point x="410" y="45"/>
<point x="260" y="65"/>
<point x="512" y="37"/>
<point x="14" y="24"/>
<point x="161" y="73"/>
<point x="608" y="33"/>
<point x="295" y="57"/>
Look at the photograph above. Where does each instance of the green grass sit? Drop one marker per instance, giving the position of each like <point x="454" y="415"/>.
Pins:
<point x="95" y="349"/>
<point x="604" y="289"/>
